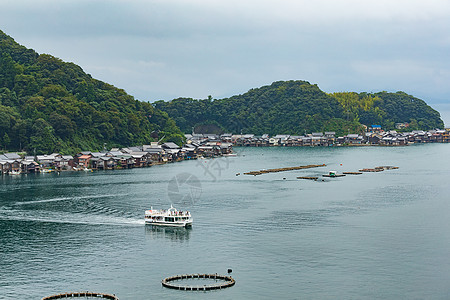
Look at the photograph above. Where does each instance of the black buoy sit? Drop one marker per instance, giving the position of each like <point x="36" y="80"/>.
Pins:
<point x="229" y="271"/>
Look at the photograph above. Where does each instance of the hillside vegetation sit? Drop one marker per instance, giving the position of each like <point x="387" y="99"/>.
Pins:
<point x="298" y="107"/>
<point x="386" y="109"/>
<point x="47" y="105"/>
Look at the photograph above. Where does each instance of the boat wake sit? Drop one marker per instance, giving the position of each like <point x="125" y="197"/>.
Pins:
<point x="64" y="199"/>
<point x="67" y="218"/>
<point x="70" y="210"/>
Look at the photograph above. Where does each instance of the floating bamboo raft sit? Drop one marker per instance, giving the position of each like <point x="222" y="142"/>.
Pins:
<point x="308" y="177"/>
<point x="283" y="169"/>
<point x="387" y="167"/>
<point x="379" y="169"/>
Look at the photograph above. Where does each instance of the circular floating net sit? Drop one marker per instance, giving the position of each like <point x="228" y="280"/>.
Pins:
<point x="84" y="295"/>
<point x="198" y="282"/>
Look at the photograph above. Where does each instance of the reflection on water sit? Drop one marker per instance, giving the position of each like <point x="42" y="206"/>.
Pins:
<point x="172" y="233"/>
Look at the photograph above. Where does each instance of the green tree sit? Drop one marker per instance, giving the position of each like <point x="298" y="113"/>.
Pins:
<point x="42" y="139"/>
<point x="8" y="71"/>
<point x="7" y="97"/>
<point x="64" y="127"/>
<point x="25" y="85"/>
<point x="6" y="140"/>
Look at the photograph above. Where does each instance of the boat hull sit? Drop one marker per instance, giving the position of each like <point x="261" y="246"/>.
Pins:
<point x="169" y="224"/>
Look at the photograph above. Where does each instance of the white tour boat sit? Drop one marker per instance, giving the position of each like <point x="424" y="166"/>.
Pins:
<point x="168" y="217"/>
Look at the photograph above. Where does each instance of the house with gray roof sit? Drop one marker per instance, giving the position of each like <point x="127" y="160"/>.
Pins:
<point x="141" y="158"/>
<point x="114" y="153"/>
<point x="64" y="162"/>
<point x="351" y="138"/>
<point x="156" y="154"/>
<point x="28" y="166"/>
<point x="98" y="154"/>
<point x="5" y="166"/>
<point x="12" y="156"/>
<point x="104" y="163"/>
<point x="170" y="145"/>
<point x="47" y="161"/>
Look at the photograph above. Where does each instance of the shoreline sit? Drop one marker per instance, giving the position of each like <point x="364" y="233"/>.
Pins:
<point x="40" y="168"/>
<point x="43" y="170"/>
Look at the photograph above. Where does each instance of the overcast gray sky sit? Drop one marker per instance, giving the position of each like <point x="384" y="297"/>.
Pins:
<point x="164" y="49"/>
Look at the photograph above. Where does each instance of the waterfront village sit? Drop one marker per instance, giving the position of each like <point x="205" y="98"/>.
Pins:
<point x="204" y="146"/>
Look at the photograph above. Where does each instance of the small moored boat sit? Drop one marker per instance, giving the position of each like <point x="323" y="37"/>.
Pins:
<point x="333" y="174"/>
<point x="168" y="217"/>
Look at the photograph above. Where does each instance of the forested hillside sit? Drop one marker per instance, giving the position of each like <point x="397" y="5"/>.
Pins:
<point x="298" y="107"/>
<point x="386" y="109"/>
<point x="47" y="105"/>
<point x="291" y="107"/>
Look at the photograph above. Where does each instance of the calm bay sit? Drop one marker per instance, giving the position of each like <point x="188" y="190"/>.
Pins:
<point x="383" y="235"/>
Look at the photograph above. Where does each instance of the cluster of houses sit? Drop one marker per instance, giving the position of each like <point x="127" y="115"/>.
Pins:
<point x="374" y="136"/>
<point x="205" y="145"/>
<point x="132" y="157"/>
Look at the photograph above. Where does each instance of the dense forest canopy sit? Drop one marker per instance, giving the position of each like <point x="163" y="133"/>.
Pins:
<point x="47" y="105"/>
<point x="387" y="109"/>
<point x="298" y="107"/>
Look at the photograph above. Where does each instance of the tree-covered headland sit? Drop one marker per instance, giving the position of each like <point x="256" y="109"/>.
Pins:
<point x="298" y="107"/>
<point x="47" y="105"/>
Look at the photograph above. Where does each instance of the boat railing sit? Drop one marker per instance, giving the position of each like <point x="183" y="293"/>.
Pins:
<point x="179" y="214"/>
<point x="170" y="213"/>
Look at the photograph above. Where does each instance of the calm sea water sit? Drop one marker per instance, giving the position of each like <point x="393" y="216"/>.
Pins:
<point x="379" y="235"/>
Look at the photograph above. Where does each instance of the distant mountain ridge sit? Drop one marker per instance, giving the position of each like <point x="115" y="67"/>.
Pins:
<point x="47" y="105"/>
<point x="298" y="107"/>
